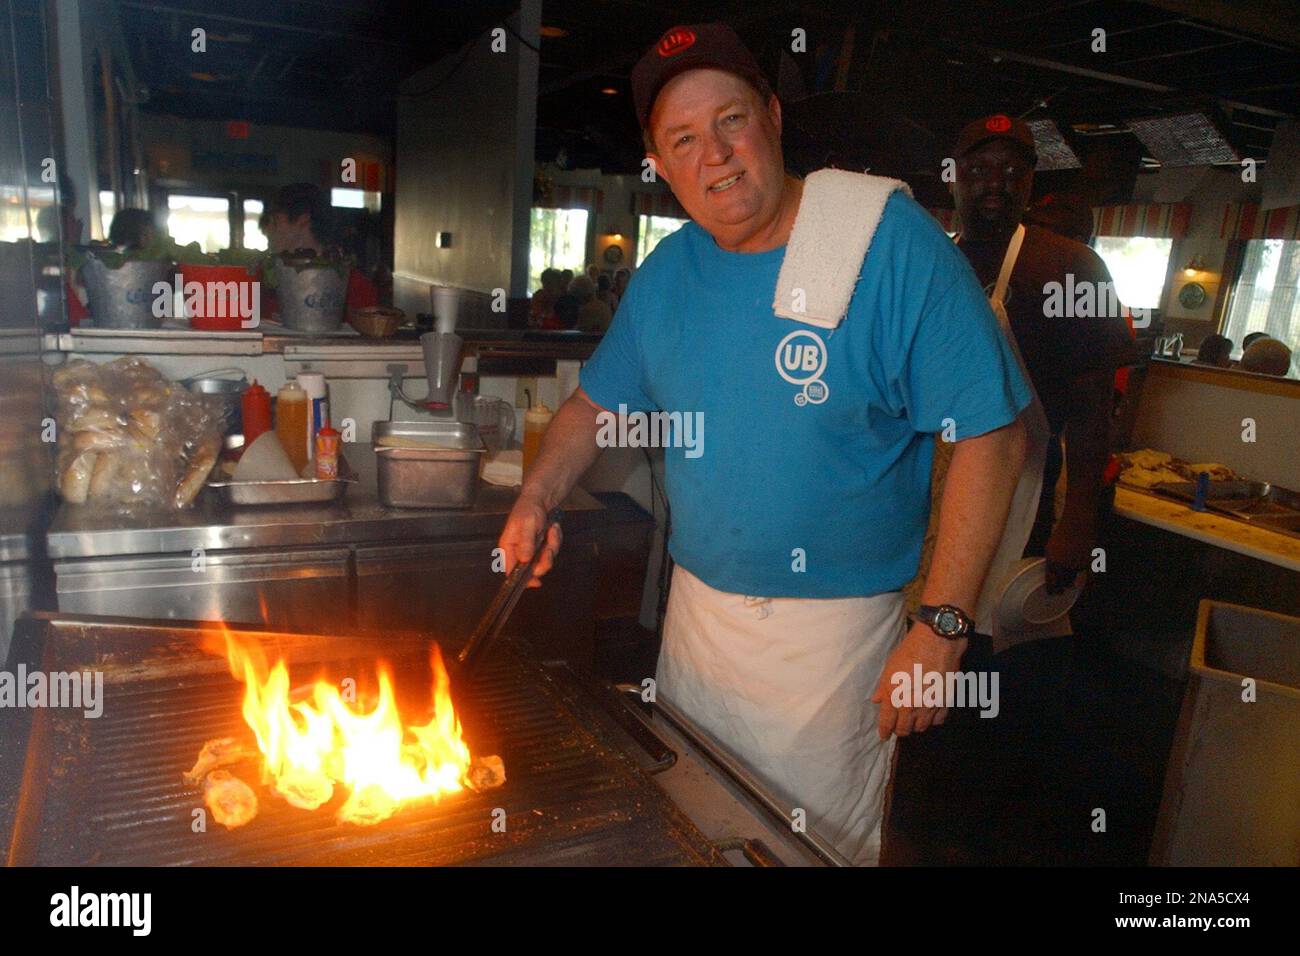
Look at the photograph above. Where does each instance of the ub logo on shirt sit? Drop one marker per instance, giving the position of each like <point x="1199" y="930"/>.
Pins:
<point x="801" y="360"/>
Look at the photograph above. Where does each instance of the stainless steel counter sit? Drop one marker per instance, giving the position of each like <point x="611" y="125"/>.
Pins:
<point x="273" y="340"/>
<point x="81" y="532"/>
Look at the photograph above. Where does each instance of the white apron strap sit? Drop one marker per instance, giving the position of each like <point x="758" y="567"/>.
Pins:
<point x="999" y="295"/>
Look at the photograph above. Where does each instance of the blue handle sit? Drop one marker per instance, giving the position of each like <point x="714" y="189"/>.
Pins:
<point x="1202" y="491"/>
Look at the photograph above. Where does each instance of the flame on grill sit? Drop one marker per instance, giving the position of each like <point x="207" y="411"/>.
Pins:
<point x="313" y="745"/>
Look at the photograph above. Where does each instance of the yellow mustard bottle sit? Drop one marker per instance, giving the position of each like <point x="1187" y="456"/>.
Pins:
<point x="536" y="420"/>
<point x="291" y="410"/>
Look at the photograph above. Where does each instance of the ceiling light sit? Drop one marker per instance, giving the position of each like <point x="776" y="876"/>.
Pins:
<point x="1184" y="139"/>
<point x="1053" y="151"/>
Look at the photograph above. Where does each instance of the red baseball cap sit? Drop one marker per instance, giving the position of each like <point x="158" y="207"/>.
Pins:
<point x="700" y="46"/>
<point x="997" y="126"/>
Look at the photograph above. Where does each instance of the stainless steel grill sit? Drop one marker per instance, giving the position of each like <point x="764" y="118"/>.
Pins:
<point x="108" y="791"/>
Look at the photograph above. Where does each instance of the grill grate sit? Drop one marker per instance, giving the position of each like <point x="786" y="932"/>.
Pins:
<point x="113" y="794"/>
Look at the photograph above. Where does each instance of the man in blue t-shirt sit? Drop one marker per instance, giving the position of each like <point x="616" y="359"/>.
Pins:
<point x="797" y="458"/>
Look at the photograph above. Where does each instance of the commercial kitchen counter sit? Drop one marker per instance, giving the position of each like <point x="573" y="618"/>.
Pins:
<point x="82" y="532"/>
<point x="1208" y="527"/>
<point x="353" y="564"/>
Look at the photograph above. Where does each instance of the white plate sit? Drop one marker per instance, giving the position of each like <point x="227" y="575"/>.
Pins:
<point x="1025" y="604"/>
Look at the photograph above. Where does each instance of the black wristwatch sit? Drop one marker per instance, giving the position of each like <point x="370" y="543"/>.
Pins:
<point x="949" y="622"/>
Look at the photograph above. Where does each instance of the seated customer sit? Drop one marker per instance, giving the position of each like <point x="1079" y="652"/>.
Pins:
<point x="298" y="218"/>
<point x="593" y="314"/>
<point x="1266" y="356"/>
<point x="1216" y="350"/>
<point x="132" y="229"/>
<point x="542" y="304"/>
<point x="565" y="315"/>
<point x="605" y="292"/>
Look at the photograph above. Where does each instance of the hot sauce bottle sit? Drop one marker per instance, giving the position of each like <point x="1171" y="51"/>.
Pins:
<point x="255" y="406"/>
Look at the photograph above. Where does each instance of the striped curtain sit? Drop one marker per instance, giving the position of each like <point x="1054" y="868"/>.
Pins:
<point x="1245" y="220"/>
<point x="1153" y="220"/>
<point x="573" y="197"/>
<point x="657" y="204"/>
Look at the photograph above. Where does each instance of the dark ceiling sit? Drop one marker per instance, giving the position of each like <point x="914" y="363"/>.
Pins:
<point x="323" y="64"/>
<point x="881" y="85"/>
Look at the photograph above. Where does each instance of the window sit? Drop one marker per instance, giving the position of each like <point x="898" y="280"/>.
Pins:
<point x="650" y="229"/>
<point x="254" y="238"/>
<point x="1264" y="297"/>
<point x="1137" y="264"/>
<point x="354" y="199"/>
<point x="201" y="219"/>
<point x="14" y="222"/>
<point x="107" y="209"/>
<point x="557" y="240"/>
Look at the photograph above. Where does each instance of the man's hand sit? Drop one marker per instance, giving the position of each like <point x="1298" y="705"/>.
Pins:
<point x="935" y="655"/>
<point x="518" y="538"/>
<point x="1068" y="555"/>
<point x="568" y="449"/>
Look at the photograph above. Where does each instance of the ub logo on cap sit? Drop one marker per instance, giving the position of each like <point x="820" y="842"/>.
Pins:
<point x="676" y="40"/>
<point x="998" y="124"/>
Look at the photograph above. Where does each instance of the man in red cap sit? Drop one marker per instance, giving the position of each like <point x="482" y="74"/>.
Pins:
<point x="798" y="521"/>
<point x="1055" y="300"/>
<point x="1071" y="345"/>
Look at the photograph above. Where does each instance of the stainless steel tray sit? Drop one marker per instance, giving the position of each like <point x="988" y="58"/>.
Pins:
<point x="290" y="491"/>
<point x="443" y="475"/>
<point x="1259" y="503"/>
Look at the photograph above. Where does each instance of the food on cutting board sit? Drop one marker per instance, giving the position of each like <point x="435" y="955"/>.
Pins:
<point x="232" y="802"/>
<point x="127" y="436"/>
<point x="1147" y="468"/>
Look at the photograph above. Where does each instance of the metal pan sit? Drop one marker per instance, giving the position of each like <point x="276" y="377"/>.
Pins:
<point x="290" y="491"/>
<point x="440" y="470"/>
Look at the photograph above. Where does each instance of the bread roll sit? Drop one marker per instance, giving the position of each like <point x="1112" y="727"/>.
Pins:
<point x="99" y="440"/>
<point x="75" y="483"/>
<point x="105" y="472"/>
<point x="194" y="478"/>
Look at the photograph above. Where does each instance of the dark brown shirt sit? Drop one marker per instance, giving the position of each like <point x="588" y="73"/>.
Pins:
<point x="1056" y="347"/>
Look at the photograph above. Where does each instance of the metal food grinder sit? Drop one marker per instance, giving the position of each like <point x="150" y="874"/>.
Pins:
<point x="443" y="352"/>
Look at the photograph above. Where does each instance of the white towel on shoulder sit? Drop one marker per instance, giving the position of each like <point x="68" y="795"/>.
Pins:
<point x="837" y="218"/>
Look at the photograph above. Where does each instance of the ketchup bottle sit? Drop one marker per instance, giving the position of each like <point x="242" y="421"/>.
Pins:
<point x="256" y="406"/>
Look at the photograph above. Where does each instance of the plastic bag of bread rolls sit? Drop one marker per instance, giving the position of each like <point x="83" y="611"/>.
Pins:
<point x="128" y="438"/>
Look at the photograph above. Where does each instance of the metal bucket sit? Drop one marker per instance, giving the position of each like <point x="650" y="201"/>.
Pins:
<point x="311" y="299"/>
<point x="123" y="298"/>
<point x="229" y="391"/>
<point x="1232" y="784"/>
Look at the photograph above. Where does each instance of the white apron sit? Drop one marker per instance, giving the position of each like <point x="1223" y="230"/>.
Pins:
<point x="1029" y="485"/>
<point x="785" y="684"/>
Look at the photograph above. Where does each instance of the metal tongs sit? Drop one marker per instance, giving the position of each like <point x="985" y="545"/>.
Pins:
<point x="489" y="628"/>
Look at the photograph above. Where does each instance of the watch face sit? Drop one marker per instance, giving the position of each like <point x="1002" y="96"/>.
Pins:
<point x="947" y="622"/>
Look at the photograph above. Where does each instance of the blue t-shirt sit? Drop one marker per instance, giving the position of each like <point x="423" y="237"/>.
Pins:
<point x="813" y="475"/>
